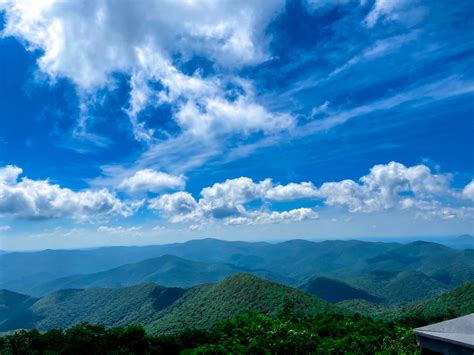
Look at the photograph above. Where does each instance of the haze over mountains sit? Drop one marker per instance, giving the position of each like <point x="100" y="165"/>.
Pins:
<point x="388" y="273"/>
<point x="167" y="310"/>
<point x="167" y="270"/>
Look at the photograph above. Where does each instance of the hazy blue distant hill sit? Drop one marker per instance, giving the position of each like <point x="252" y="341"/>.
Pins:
<point x="20" y="271"/>
<point x="166" y="270"/>
<point x="335" y="291"/>
<point x="465" y="241"/>
<point x="13" y="308"/>
<point x="465" y="238"/>
<point x="370" y="266"/>
<point x="427" y="263"/>
<point x="159" y="308"/>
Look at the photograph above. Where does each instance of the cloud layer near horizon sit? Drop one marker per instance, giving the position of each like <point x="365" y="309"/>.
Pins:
<point x="391" y="186"/>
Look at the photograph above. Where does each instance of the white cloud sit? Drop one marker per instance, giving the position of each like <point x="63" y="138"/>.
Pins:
<point x="383" y="186"/>
<point x="38" y="199"/>
<point x="87" y="42"/>
<point x="228" y="198"/>
<point x="148" y="180"/>
<point x="391" y="186"/>
<point x="404" y="11"/>
<point x="292" y="191"/>
<point x="436" y="211"/>
<point x="9" y="174"/>
<point x="178" y="207"/>
<point x="468" y="191"/>
<point x="258" y="217"/>
<point x="227" y="201"/>
<point x="5" y="228"/>
<point x="214" y="115"/>
<point x="119" y="230"/>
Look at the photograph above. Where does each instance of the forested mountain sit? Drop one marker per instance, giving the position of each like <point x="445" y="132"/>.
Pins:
<point x="166" y="270"/>
<point x="375" y="267"/>
<point x="203" y="306"/>
<point x="242" y="314"/>
<point x="454" y="303"/>
<point x="158" y="308"/>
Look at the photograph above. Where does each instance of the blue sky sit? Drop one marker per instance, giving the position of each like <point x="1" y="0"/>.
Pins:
<point x="152" y="122"/>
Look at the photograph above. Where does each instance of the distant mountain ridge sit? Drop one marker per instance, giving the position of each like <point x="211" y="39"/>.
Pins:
<point x="164" y="310"/>
<point x="370" y="266"/>
<point x="167" y="270"/>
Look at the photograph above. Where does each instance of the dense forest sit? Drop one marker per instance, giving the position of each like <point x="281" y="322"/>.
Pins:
<point x="250" y="332"/>
<point x="289" y="331"/>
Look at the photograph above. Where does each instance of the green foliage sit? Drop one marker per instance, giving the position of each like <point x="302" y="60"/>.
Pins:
<point x="202" y="307"/>
<point x="335" y="291"/>
<point x="110" y="307"/>
<point x="285" y="327"/>
<point x="452" y="304"/>
<point x="161" y="309"/>
<point x="248" y="333"/>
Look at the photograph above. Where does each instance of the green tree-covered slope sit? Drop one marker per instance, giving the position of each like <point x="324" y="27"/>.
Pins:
<point x="111" y="307"/>
<point x="166" y="270"/>
<point x="451" y="304"/>
<point x="203" y="306"/>
<point x="335" y="291"/>
<point x="161" y="308"/>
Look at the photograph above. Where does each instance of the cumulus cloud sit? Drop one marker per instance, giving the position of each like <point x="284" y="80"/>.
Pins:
<point x="386" y="187"/>
<point x="204" y="108"/>
<point x="178" y="207"/>
<point x="259" y="217"/>
<point x="219" y="115"/>
<point x="88" y="41"/>
<point x="228" y="198"/>
<point x="382" y="188"/>
<point x="148" y="180"/>
<point x="292" y="191"/>
<point x="40" y="199"/>
<point x="9" y="174"/>
<point x="109" y="37"/>
<point x="468" y="191"/>
<point x="227" y="201"/>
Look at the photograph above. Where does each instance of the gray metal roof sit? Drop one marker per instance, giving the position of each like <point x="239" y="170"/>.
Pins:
<point x="457" y="331"/>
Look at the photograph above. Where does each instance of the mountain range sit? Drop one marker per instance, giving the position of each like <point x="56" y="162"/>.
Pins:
<point x="165" y="310"/>
<point x="159" y="309"/>
<point x="166" y="270"/>
<point x="381" y="270"/>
